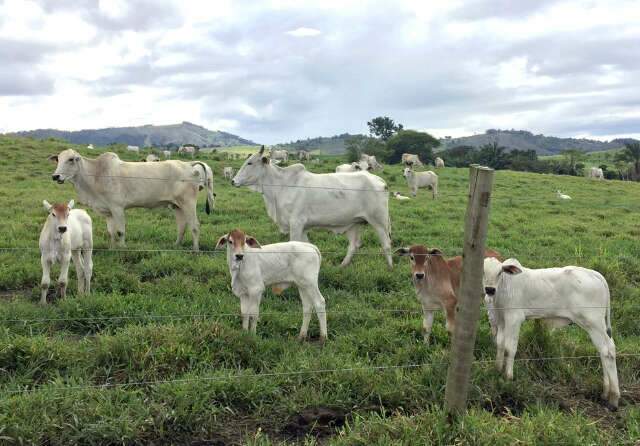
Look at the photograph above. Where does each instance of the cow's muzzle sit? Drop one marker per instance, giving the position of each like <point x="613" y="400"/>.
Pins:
<point x="62" y="229"/>
<point x="239" y="257"/>
<point x="490" y="291"/>
<point x="419" y="276"/>
<point x="57" y="178"/>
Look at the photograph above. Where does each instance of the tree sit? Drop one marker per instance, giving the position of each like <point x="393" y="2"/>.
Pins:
<point x="493" y="155"/>
<point x="572" y="157"/>
<point x="383" y="127"/>
<point x="359" y="144"/>
<point x="631" y="154"/>
<point x="411" y="141"/>
<point x="459" y="156"/>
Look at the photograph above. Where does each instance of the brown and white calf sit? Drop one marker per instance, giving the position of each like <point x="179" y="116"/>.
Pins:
<point x="279" y="265"/>
<point x="66" y="234"/>
<point x="437" y="282"/>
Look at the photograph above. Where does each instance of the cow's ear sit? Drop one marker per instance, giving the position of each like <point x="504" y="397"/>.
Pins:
<point x="252" y="242"/>
<point x="53" y="158"/>
<point x="46" y="205"/>
<point x="511" y="269"/>
<point x="71" y="204"/>
<point x="402" y="252"/>
<point x="435" y="252"/>
<point x="222" y="241"/>
<point x="265" y="160"/>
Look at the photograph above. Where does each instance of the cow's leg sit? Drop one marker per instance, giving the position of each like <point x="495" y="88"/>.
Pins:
<point x="321" y="312"/>
<point x="63" y="278"/>
<point x="449" y="306"/>
<point x="500" y="349"/>
<point x="87" y="261"/>
<point x="79" y="265"/>
<point x="118" y="222"/>
<point x="382" y="230"/>
<point x="296" y="231"/>
<point x="607" y="349"/>
<point x="512" y="334"/>
<point x="181" y="224"/>
<point x="427" y="323"/>
<point x="244" y="311"/>
<point x="111" y="229"/>
<point x="353" y="234"/>
<point x="194" y="225"/>
<point x="307" y="311"/>
<point x="46" y="279"/>
<point x="254" y="310"/>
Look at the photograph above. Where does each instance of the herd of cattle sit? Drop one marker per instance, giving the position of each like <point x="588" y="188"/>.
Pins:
<point x="298" y="200"/>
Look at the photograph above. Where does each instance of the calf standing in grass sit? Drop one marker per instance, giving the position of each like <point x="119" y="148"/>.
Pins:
<point x="67" y="233"/>
<point x="416" y="180"/>
<point x="559" y="296"/>
<point x="437" y="281"/>
<point x="280" y="265"/>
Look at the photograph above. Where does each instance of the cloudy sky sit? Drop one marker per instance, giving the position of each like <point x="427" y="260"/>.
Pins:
<point x="279" y="70"/>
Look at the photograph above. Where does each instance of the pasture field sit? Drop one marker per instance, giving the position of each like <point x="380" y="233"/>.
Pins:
<point x="592" y="159"/>
<point x="162" y="329"/>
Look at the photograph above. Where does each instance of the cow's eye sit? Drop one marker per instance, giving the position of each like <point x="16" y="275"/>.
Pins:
<point x="248" y="164"/>
<point x="70" y="160"/>
<point x="53" y="214"/>
<point x="413" y="258"/>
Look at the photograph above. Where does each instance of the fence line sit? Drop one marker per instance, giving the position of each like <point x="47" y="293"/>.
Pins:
<point x="296" y="373"/>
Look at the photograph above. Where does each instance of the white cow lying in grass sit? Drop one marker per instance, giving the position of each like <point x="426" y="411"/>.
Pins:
<point x="562" y="196"/>
<point x="67" y="233"/>
<point x="360" y="166"/>
<point x="417" y="180"/>
<point x="559" y="296"/>
<point x="399" y="196"/>
<point x="280" y="265"/>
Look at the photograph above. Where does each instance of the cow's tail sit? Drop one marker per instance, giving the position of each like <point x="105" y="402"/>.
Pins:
<point x="608" y="314"/>
<point x="208" y="184"/>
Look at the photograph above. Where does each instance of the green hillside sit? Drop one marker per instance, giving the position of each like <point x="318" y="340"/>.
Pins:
<point x="161" y="329"/>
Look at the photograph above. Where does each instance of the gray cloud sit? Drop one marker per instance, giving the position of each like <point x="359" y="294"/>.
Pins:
<point x="21" y="76"/>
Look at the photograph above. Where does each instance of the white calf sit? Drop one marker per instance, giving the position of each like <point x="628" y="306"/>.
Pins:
<point x="398" y="196"/>
<point x="228" y="173"/>
<point x="559" y="296"/>
<point x="360" y="166"/>
<point x="417" y="180"/>
<point x="67" y="233"/>
<point x="562" y="196"/>
<point x="280" y="265"/>
<point x="439" y="162"/>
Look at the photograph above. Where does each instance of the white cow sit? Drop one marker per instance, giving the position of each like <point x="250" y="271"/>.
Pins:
<point x="228" y="172"/>
<point x="280" y="265"/>
<point x="166" y="153"/>
<point x="303" y="155"/>
<point x="133" y="148"/>
<point x="151" y="158"/>
<point x="90" y="147"/>
<point x="360" y="166"/>
<point x="596" y="173"/>
<point x="416" y="180"/>
<point x="316" y="161"/>
<point x="67" y="233"/>
<point x="439" y="162"/>
<point x="559" y="296"/>
<point x="562" y="196"/>
<point x="398" y="196"/>
<point x="279" y="155"/>
<point x="187" y="150"/>
<point x="298" y="200"/>
<point x="411" y="159"/>
<point x="371" y="161"/>
<point x="109" y="186"/>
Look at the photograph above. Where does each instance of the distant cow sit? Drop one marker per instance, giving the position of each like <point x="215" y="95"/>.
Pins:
<point x="90" y="147"/>
<point x="228" y="172"/>
<point x="596" y="173"/>
<point x="298" y="200"/>
<point x="559" y="296"/>
<point x="439" y="162"/>
<point x="187" y="150"/>
<point x="110" y="185"/>
<point x="133" y="148"/>
<point x="67" y="234"/>
<point x="371" y="161"/>
<point x="411" y="159"/>
<point x="303" y="155"/>
<point x="360" y="166"/>
<point x="417" y="180"/>
<point x="166" y="153"/>
<point x="437" y="282"/>
<point x="280" y="155"/>
<point x="151" y="158"/>
<point x="280" y="265"/>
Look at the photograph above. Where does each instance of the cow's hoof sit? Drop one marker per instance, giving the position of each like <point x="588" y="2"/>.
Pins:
<point x="302" y="338"/>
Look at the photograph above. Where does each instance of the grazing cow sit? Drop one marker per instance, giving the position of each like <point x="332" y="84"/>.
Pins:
<point x="67" y="234"/>
<point x="437" y="282"/>
<point x="151" y="158"/>
<point x="416" y="180"/>
<point x="109" y="186"/>
<point x="228" y="173"/>
<point x="559" y="296"/>
<point x="371" y="161"/>
<point x="398" y="196"/>
<point x="439" y="162"/>
<point x="409" y="159"/>
<point x="298" y="200"/>
<point x="90" y="147"/>
<point x="562" y="196"/>
<point x="596" y="173"/>
<point x="303" y="155"/>
<point x="360" y="166"/>
<point x="280" y="155"/>
<point x="280" y="265"/>
<point x="187" y="150"/>
<point x="315" y="161"/>
<point x="166" y="153"/>
<point x="133" y="148"/>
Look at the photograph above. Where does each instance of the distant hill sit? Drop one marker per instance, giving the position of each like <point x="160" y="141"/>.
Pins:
<point x="328" y="145"/>
<point x="144" y="136"/>
<point x="524" y="140"/>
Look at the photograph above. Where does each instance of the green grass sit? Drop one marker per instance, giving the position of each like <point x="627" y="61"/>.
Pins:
<point x="592" y="159"/>
<point x="109" y="337"/>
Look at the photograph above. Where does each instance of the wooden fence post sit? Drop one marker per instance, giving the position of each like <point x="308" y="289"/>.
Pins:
<point x="471" y="292"/>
